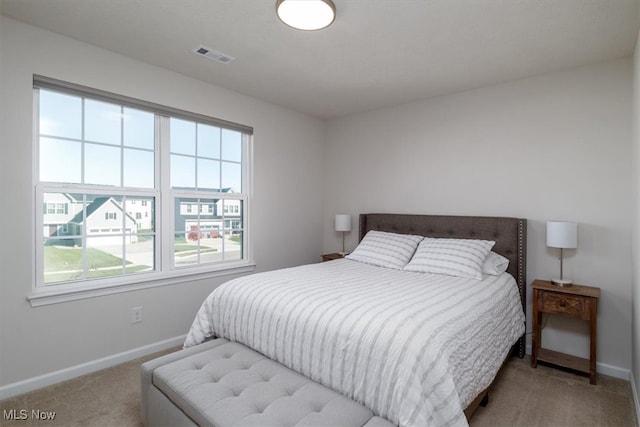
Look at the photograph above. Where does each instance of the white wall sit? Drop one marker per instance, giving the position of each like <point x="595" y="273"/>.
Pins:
<point x="286" y="211"/>
<point x="557" y="146"/>
<point x="635" y="327"/>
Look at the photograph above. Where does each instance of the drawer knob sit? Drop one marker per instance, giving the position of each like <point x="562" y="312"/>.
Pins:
<point x="562" y="303"/>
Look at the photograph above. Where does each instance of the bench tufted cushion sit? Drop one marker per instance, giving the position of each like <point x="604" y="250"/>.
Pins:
<point x="232" y="385"/>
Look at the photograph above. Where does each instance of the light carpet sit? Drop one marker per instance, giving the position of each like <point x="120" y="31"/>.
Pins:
<point x="520" y="396"/>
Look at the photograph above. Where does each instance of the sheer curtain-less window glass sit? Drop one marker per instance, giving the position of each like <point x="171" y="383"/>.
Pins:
<point x="201" y="178"/>
<point x="96" y="237"/>
<point x="104" y="185"/>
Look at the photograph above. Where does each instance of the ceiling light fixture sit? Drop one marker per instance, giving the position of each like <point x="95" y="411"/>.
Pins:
<point x="306" y="14"/>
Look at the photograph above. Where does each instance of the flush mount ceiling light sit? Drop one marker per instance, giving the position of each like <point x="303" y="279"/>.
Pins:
<point x="306" y="14"/>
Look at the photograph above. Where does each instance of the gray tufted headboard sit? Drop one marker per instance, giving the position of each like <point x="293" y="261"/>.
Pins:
<point x="510" y="235"/>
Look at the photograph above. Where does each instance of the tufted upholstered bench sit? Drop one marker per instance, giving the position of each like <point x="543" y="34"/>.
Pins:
<point x="222" y="383"/>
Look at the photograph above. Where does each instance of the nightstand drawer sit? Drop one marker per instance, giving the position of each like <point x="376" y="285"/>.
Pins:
<point x="571" y="305"/>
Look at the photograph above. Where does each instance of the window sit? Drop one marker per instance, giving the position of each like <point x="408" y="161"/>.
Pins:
<point x="55" y="208"/>
<point x="106" y="185"/>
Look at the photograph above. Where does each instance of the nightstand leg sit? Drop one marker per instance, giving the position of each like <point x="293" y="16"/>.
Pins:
<point x="535" y="345"/>
<point x="593" y="343"/>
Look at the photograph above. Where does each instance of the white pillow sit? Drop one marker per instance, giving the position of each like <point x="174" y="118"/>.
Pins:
<point x="452" y="257"/>
<point x="495" y="264"/>
<point x="384" y="249"/>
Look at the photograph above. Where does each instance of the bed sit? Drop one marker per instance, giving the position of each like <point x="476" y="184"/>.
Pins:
<point x="416" y="348"/>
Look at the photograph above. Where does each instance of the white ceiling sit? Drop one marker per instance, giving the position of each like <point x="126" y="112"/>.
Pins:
<point x="377" y="52"/>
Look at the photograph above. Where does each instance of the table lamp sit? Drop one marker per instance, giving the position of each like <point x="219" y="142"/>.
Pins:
<point x="563" y="235"/>
<point x="343" y="224"/>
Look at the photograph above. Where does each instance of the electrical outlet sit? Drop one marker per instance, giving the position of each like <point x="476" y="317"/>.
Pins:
<point x="136" y="315"/>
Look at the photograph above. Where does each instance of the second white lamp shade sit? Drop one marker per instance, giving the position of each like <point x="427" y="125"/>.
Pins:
<point x="343" y="222"/>
<point x="562" y="234"/>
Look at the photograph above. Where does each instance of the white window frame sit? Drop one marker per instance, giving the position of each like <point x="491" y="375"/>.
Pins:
<point x="165" y="272"/>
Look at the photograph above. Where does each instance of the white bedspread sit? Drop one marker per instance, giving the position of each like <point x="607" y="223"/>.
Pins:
<point x="414" y="348"/>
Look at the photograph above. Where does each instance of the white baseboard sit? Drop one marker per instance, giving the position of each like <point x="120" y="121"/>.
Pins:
<point x="634" y="392"/>
<point x="45" y="380"/>
<point x="602" y="368"/>
<point x="613" y="371"/>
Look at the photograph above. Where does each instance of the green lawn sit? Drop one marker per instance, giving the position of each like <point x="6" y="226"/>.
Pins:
<point x="63" y="263"/>
<point x="57" y="258"/>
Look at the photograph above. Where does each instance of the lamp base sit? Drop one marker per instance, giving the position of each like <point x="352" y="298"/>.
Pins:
<point x="562" y="282"/>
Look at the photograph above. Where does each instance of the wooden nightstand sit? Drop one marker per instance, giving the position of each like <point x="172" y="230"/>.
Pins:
<point x="331" y="257"/>
<point x="575" y="301"/>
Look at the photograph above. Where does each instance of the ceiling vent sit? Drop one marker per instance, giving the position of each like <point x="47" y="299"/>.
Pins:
<point x="215" y="55"/>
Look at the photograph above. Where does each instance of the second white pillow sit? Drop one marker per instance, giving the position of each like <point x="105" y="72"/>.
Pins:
<point x="451" y="257"/>
<point x="495" y="264"/>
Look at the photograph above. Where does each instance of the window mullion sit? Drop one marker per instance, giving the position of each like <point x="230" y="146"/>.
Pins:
<point x="82" y="139"/>
<point x="247" y="186"/>
<point x="39" y="239"/>
<point x="125" y="235"/>
<point x="165" y="219"/>
<point x="199" y="228"/>
<point x="38" y="232"/>
<point x="83" y="233"/>
<point x="125" y="200"/>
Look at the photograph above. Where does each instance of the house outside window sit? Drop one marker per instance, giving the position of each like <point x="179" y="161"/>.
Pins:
<point x="106" y="185"/>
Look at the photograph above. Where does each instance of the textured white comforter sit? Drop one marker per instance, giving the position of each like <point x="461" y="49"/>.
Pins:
<point x="415" y="348"/>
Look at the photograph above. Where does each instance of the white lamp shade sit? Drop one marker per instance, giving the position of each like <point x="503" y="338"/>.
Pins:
<point x="343" y="222"/>
<point x="306" y="14"/>
<point x="562" y="234"/>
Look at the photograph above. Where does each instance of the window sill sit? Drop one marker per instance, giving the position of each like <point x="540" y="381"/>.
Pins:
<point x="64" y="294"/>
